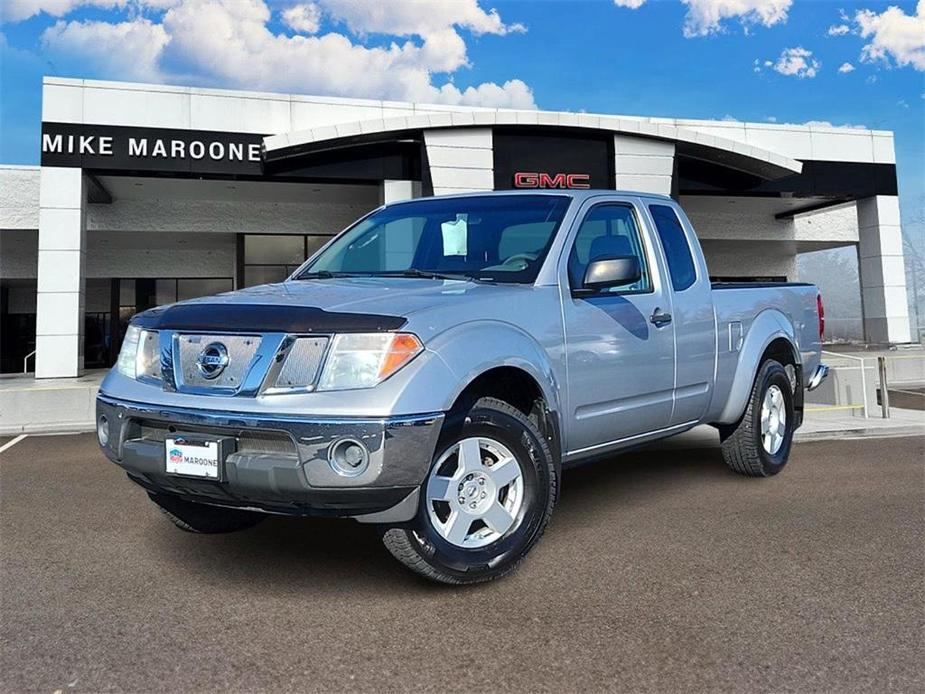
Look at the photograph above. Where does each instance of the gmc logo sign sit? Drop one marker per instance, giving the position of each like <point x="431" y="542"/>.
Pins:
<point x="526" y="179"/>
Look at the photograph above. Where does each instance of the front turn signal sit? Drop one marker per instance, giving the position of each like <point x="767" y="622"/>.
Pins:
<point x="403" y="349"/>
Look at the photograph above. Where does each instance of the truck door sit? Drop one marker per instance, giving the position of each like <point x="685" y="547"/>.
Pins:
<point x="619" y="341"/>
<point x="692" y="310"/>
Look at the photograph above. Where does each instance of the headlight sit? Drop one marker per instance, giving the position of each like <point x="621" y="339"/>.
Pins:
<point x="140" y="355"/>
<point x="363" y="360"/>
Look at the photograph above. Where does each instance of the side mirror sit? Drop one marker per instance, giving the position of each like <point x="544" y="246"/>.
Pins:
<point x="615" y="271"/>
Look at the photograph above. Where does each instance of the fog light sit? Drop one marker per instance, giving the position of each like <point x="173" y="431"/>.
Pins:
<point x="102" y="430"/>
<point x="348" y="457"/>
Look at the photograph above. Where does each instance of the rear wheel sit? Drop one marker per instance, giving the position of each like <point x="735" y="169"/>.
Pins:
<point x="759" y="445"/>
<point x="486" y="501"/>
<point x="201" y="518"/>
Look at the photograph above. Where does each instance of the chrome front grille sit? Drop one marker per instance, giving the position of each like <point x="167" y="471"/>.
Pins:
<point x="240" y="351"/>
<point x="300" y="369"/>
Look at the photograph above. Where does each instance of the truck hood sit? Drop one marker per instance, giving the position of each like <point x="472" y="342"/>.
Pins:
<point x="324" y="305"/>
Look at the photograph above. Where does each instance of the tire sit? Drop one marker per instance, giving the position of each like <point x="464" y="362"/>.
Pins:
<point x="750" y="450"/>
<point x="432" y="544"/>
<point x="202" y="518"/>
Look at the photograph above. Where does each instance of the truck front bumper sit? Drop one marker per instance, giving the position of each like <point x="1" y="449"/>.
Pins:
<point x="279" y="463"/>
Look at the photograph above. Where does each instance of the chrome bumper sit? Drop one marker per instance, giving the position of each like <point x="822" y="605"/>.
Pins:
<point x="281" y="463"/>
<point x="818" y="377"/>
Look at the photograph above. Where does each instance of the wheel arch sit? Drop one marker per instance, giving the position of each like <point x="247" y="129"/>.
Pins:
<point x="771" y="335"/>
<point x="507" y="364"/>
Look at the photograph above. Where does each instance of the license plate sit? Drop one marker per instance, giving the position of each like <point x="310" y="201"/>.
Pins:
<point x="193" y="458"/>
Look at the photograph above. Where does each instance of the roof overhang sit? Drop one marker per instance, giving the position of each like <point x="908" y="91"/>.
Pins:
<point x="732" y="154"/>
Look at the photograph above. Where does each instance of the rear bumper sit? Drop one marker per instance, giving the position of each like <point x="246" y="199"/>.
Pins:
<point x="817" y="377"/>
<point x="281" y="462"/>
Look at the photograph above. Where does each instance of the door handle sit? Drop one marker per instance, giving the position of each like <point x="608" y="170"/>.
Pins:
<point x="658" y="319"/>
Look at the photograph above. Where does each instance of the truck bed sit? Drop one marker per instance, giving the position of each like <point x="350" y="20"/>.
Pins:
<point x="737" y="306"/>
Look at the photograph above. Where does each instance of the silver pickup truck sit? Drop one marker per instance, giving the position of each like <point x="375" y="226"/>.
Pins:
<point x="434" y="367"/>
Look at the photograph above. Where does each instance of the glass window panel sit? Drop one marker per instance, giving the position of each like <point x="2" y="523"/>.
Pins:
<point x="270" y="249"/>
<point x="453" y="235"/>
<point x="166" y="292"/>
<point x="127" y="293"/>
<point x="607" y="231"/>
<point x="194" y="288"/>
<point x="524" y="238"/>
<point x="264" y="274"/>
<point x="677" y="250"/>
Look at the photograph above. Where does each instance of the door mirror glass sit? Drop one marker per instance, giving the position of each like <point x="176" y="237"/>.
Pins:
<point x="615" y="271"/>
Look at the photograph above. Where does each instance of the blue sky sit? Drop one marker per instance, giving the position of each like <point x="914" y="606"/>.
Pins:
<point x="755" y="60"/>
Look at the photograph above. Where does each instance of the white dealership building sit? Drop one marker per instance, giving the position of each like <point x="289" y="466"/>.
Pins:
<point x="147" y="194"/>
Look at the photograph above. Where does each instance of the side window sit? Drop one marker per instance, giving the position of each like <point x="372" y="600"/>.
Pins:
<point x="677" y="250"/>
<point x="607" y="231"/>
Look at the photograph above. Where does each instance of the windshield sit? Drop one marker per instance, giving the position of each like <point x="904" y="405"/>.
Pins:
<point x="501" y="238"/>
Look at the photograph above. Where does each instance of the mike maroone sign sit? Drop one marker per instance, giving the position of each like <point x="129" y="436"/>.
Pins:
<point x="150" y="149"/>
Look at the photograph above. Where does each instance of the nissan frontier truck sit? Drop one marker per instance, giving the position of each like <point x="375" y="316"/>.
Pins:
<point x="434" y="368"/>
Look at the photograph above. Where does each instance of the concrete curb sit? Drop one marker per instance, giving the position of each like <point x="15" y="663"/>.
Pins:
<point x="861" y="433"/>
<point x="56" y="428"/>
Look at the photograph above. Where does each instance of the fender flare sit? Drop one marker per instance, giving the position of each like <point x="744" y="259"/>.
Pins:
<point x="769" y="325"/>
<point x="470" y="349"/>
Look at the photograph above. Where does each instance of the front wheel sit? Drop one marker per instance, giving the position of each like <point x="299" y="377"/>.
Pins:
<point x="486" y="501"/>
<point x="759" y="445"/>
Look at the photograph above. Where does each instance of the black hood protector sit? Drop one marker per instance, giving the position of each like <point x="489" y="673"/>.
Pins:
<point x="263" y="318"/>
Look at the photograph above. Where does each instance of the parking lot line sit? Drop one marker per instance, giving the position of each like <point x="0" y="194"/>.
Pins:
<point x="10" y="444"/>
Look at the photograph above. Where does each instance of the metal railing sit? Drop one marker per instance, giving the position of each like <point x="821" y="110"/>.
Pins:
<point x="850" y="376"/>
<point x="25" y="362"/>
<point x="851" y="406"/>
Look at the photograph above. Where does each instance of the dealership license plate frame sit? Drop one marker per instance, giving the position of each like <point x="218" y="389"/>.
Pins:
<point x="216" y="448"/>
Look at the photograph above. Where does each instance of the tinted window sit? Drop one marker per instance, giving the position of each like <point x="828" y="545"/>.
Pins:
<point x="677" y="250"/>
<point x="502" y="238"/>
<point x="607" y="231"/>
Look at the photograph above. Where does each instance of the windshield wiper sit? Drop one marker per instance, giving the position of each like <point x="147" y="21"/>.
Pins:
<point x="324" y="275"/>
<point x="434" y="275"/>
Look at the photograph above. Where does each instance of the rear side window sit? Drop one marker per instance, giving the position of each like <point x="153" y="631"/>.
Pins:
<point x="677" y="250"/>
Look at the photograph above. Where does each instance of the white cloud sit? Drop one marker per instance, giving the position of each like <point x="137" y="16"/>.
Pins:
<point x="18" y="10"/>
<point x="797" y="62"/>
<point x="894" y="34"/>
<point x="839" y="30"/>
<point x="829" y="124"/>
<point x="706" y="17"/>
<point x="631" y="4"/>
<point x="128" y="49"/>
<point x="404" y="18"/>
<point x="228" y="43"/>
<point x="304" y="18"/>
<point x="845" y="68"/>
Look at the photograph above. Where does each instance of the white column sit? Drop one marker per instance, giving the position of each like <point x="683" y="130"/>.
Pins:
<point x="460" y="159"/>
<point x="396" y="191"/>
<point x="882" y="271"/>
<point x="643" y="164"/>
<point x="62" y="252"/>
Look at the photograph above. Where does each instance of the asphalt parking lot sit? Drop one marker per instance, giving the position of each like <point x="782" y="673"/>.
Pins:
<point x="661" y="571"/>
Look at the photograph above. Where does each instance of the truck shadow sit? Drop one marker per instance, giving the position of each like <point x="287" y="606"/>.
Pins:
<point x="326" y="556"/>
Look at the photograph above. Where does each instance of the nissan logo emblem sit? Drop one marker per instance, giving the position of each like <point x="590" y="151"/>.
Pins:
<point x="212" y="360"/>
